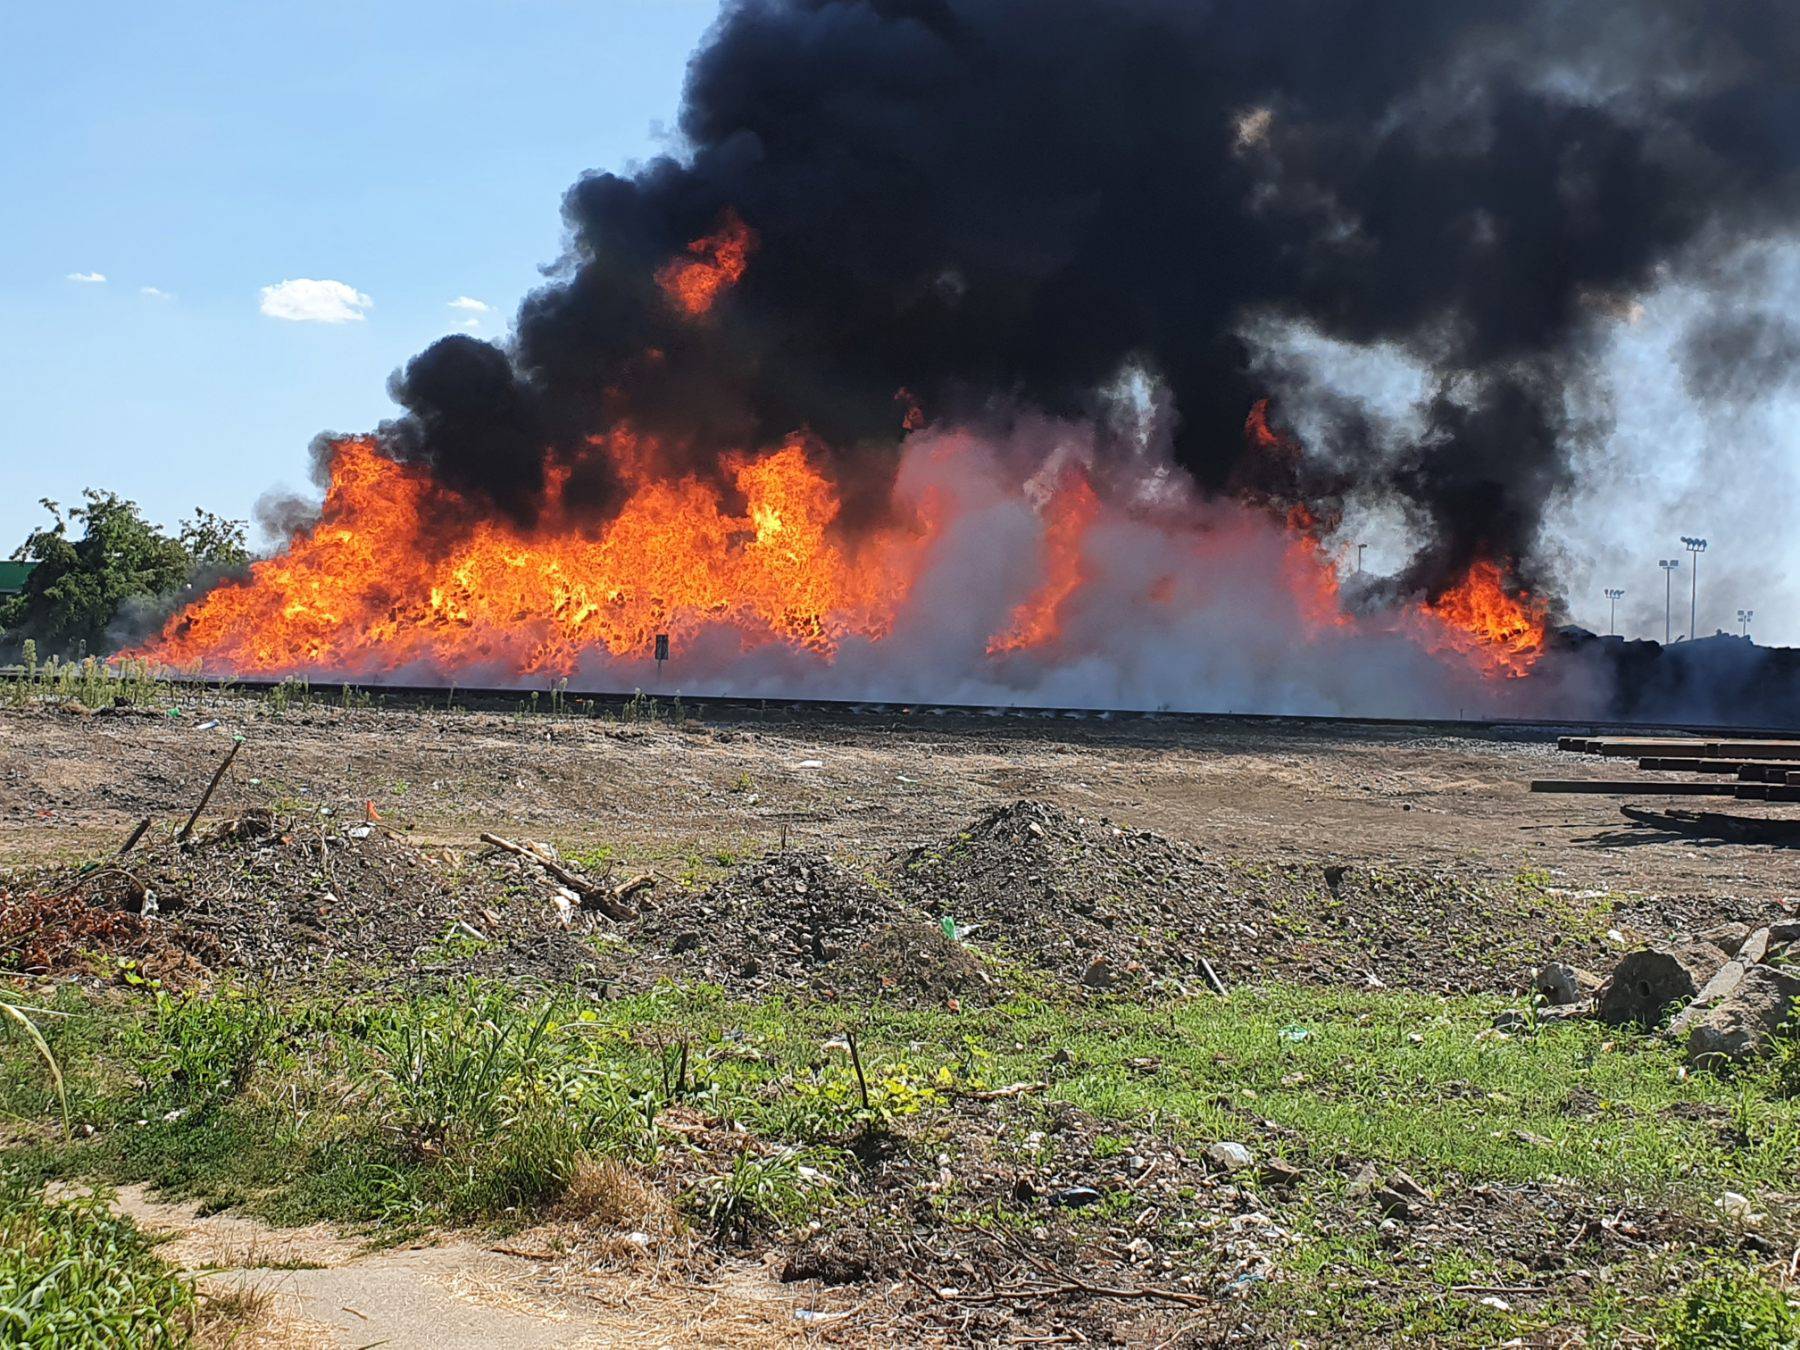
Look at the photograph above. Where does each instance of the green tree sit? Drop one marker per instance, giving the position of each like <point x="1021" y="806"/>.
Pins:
<point x="79" y="584"/>
<point x="213" y="541"/>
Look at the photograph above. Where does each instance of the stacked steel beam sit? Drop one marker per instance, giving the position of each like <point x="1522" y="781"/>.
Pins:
<point x="1763" y="769"/>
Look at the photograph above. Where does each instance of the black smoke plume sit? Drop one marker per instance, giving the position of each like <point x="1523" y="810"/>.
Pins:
<point x="1002" y="203"/>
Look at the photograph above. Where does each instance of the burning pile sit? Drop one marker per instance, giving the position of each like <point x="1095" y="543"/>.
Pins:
<point x="375" y="586"/>
<point x="862" y="371"/>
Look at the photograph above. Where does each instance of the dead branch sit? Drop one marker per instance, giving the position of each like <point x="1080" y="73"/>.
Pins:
<point x="132" y="838"/>
<point x="1067" y="1286"/>
<point x="608" y="902"/>
<point x="626" y="889"/>
<point x="212" y="787"/>
<point x="1000" y="1093"/>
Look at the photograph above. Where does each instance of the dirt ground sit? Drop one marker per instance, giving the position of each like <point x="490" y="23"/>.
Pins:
<point x="312" y="1287"/>
<point x="853" y="858"/>
<point x="1296" y="791"/>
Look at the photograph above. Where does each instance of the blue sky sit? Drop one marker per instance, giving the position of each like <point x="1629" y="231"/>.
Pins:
<point x="193" y="154"/>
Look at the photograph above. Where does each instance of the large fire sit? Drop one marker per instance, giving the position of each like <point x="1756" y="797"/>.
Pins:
<point x="375" y="586"/>
<point x="372" y="587"/>
<point x="713" y="263"/>
<point x="1499" y="624"/>
<point x="400" y="572"/>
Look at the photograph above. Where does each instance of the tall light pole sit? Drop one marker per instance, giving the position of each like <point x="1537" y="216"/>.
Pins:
<point x="1695" y="547"/>
<point x="1669" y="567"/>
<point x="1744" y="617"/>
<point x="1612" y="622"/>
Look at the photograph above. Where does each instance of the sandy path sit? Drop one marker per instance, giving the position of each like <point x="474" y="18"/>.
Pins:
<point x="315" y="1287"/>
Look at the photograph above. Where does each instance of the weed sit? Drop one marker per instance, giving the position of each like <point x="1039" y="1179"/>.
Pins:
<point x="444" y="1065"/>
<point x="1731" y="1310"/>
<point x="830" y="1104"/>
<point x="756" y="1192"/>
<point x="639" y="708"/>
<point x="18" y="1016"/>
<point x="88" y="681"/>
<point x="206" y="1045"/>
<point x="73" y="1273"/>
<point x="459" y="942"/>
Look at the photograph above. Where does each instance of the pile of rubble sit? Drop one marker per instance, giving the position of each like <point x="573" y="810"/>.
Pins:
<point x="793" y="921"/>
<point x="1085" y="900"/>
<point x="1734" y="988"/>
<point x="1088" y="900"/>
<point x="293" y="898"/>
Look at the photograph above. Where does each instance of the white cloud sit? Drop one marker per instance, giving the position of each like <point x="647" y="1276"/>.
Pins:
<point x="304" y="300"/>
<point x="471" y="304"/>
<point x="470" y="323"/>
<point x="155" y="292"/>
<point x="90" y="278"/>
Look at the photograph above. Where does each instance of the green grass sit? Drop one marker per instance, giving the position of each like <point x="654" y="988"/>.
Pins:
<point x="88" y="681"/>
<point x="1579" y="1101"/>
<point x="1731" y="1309"/>
<point x="73" y="1274"/>
<point x="477" y="1103"/>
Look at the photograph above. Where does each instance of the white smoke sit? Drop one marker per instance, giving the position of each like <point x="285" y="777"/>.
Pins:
<point x="1185" y="605"/>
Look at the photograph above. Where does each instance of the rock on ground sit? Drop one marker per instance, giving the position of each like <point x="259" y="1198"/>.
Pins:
<point x="1744" y="1021"/>
<point x="1646" y="982"/>
<point x="1561" y="984"/>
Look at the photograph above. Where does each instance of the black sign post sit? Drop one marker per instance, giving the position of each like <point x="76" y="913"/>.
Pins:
<point x="662" y="652"/>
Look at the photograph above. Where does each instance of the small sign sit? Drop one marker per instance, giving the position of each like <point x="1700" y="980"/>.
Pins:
<point x="662" y="646"/>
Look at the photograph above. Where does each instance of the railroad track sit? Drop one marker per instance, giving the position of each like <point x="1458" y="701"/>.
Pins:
<point x="733" y="707"/>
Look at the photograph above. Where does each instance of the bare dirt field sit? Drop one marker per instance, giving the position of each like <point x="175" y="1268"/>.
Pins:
<point x="1173" y="1031"/>
<point x="1295" y="791"/>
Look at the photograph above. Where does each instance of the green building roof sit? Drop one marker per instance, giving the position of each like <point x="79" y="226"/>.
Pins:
<point x="13" y="574"/>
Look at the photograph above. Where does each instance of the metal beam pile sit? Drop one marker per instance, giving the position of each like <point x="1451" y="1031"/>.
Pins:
<point x="1764" y="769"/>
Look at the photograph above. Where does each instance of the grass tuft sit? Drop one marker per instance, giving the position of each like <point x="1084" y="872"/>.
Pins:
<point x="72" y="1273"/>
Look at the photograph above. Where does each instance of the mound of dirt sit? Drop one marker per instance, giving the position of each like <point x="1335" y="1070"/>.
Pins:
<point x="1085" y="900"/>
<point x="296" y="900"/>
<point x="802" y="921"/>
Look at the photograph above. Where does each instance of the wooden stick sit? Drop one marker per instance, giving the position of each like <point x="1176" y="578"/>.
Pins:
<point x="132" y="839"/>
<point x="1212" y="977"/>
<point x="206" y="796"/>
<point x="862" y="1084"/>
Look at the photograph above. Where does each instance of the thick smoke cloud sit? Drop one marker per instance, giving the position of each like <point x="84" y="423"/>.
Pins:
<point x="1004" y="203"/>
<point x="1739" y="357"/>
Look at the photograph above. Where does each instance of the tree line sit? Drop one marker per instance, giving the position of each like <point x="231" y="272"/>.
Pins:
<point x="94" y="562"/>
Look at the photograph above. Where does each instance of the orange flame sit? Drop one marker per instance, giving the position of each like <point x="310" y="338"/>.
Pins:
<point x="716" y="261"/>
<point x="371" y="587"/>
<point x="1072" y="508"/>
<point x="1257" y="430"/>
<point x="400" y="571"/>
<point x="1502" y="626"/>
<point x="1310" y="574"/>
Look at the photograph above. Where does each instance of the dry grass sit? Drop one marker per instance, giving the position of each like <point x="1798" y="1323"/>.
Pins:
<point x="604" y="1192"/>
